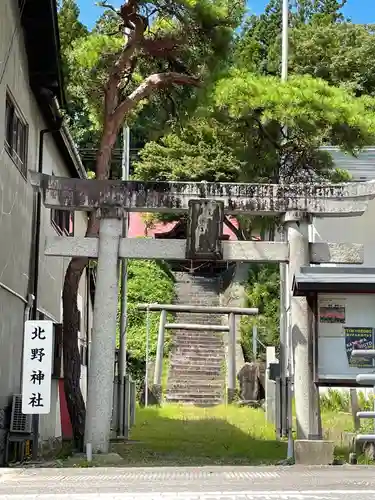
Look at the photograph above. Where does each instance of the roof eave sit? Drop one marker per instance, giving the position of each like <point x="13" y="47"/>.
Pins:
<point x="330" y="282"/>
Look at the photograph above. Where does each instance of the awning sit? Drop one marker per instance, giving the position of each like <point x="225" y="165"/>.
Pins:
<point x="334" y="280"/>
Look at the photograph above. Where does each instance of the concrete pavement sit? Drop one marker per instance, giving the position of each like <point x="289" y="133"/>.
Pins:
<point x="201" y="483"/>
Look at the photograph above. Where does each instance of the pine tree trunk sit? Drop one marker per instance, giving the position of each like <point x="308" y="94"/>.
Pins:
<point x="72" y="358"/>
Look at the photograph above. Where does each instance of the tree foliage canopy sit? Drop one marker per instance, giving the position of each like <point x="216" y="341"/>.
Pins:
<point x="343" y="54"/>
<point x="183" y="37"/>
<point x="258" y="47"/>
<point x="242" y="138"/>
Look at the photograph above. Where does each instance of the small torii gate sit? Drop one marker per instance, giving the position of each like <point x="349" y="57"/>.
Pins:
<point x="207" y="203"/>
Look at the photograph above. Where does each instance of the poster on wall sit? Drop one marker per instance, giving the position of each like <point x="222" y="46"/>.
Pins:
<point x="332" y="311"/>
<point x="359" y="338"/>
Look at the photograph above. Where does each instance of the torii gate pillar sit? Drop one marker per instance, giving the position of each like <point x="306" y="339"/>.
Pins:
<point x="102" y="358"/>
<point x="305" y="390"/>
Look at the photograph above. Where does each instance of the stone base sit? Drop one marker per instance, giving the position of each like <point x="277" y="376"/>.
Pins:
<point x="157" y="391"/>
<point x="152" y="399"/>
<point x="231" y="395"/>
<point x="251" y="404"/>
<point x="98" y="460"/>
<point x="311" y="452"/>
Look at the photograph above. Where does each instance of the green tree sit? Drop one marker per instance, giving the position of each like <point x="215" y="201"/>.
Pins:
<point x="263" y="292"/>
<point x="242" y="138"/>
<point x="343" y="54"/>
<point x="148" y="282"/>
<point x="259" y="45"/>
<point x="202" y="150"/>
<point x="71" y="30"/>
<point x="109" y="23"/>
<point x="314" y="113"/>
<point x="167" y="45"/>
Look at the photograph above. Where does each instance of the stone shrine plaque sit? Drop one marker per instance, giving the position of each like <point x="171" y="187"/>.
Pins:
<point x="205" y="230"/>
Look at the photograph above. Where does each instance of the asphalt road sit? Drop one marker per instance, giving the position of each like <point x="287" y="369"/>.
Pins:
<point x="201" y="483"/>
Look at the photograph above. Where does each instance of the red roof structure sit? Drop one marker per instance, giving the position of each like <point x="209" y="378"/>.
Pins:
<point x="137" y="228"/>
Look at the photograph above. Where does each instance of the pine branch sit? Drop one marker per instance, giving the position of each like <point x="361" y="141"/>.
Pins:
<point x="147" y="87"/>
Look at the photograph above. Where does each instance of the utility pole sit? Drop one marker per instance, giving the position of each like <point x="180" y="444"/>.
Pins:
<point x="284" y="282"/>
<point x="285" y="41"/>
<point x="122" y="430"/>
<point x="122" y="427"/>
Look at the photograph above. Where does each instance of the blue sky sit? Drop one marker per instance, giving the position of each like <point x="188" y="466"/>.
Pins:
<point x="360" y="11"/>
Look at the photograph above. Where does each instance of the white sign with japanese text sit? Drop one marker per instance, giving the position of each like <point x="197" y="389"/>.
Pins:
<point x="37" y="367"/>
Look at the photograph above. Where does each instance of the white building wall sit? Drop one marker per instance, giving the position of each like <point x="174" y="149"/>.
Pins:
<point x="16" y="206"/>
<point x="352" y="229"/>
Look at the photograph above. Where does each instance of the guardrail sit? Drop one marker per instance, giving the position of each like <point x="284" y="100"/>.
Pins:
<point x="363" y="379"/>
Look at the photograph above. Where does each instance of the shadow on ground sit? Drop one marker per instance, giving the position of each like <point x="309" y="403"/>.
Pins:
<point x="185" y="440"/>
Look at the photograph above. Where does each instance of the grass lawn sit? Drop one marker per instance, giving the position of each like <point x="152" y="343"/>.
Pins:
<point x="222" y="435"/>
<point x="188" y="435"/>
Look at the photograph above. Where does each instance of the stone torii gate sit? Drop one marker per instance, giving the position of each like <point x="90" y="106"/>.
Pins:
<point x="207" y="204"/>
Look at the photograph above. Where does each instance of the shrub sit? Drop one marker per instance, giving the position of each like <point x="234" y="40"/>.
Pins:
<point x="263" y="291"/>
<point x="336" y="401"/>
<point x="148" y="282"/>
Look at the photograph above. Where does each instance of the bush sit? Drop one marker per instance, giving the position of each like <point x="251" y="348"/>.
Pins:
<point x="148" y="282"/>
<point x="336" y="401"/>
<point x="263" y="292"/>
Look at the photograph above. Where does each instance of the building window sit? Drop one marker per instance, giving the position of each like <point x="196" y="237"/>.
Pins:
<point x="16" y="136"/>
<point x="83" y="352"/>
<point x="63" y="222"/>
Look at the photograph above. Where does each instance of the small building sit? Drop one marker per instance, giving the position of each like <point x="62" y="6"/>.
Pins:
<point x="32" y="137"/>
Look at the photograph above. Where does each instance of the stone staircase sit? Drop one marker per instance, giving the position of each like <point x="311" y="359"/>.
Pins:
<point x="196" y="372"/>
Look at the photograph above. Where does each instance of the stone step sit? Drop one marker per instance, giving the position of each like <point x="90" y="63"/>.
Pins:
<point x="196" y="363"/>
<point x="199" y="372"/>
<point x="192" y="396"/>
<point x="188" y="371"/>
<point x="194" y="393"/>
<point x="203" y="403"/>
<point x="191" y="334"/>
<point x="199" y="350"/>
<point x="193" y="355"/>
<point x="191" y="346"/>
<point x="195" y="377"/>
<point x="211" y="335"/>
<point x="196" y="389"/>
<point x="202" y="341"/>
<point x="196" y="384"/>
<point x="198" y="356"/>
<point x="199" y="347"/>
<point x="210" y="384"/>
